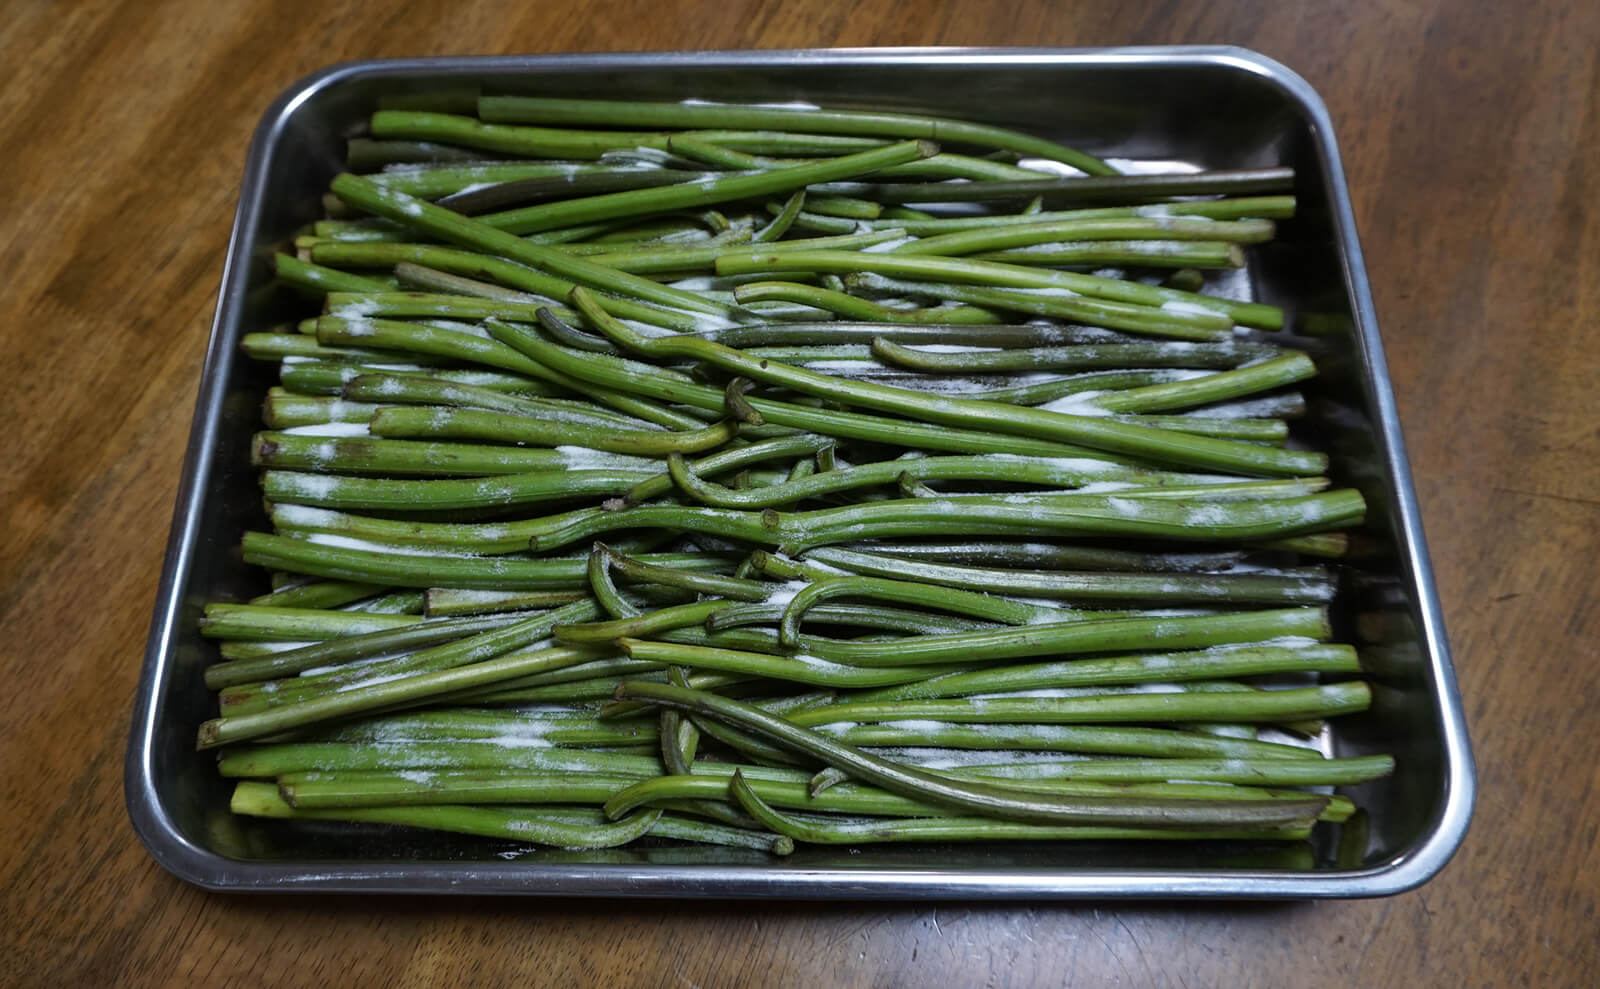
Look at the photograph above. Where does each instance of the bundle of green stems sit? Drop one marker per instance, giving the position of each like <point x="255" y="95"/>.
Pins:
<point x="757" y="476"/>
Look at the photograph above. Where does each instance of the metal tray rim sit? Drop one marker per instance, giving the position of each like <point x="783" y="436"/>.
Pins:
<point x="155" y="827"/>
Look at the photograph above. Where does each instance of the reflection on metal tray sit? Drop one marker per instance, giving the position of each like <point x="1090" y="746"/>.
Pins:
<point x="1211" y="107"/>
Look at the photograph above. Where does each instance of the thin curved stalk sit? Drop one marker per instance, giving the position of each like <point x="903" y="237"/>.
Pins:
<point x="1117" y="437"/>
<point x="699" y="193"/>
<point x="1020" y="470"/>
<point x="985" y="799"/>
<point x="468" y="232"/>
<point x="859" y="831"/>
<point x="796" y="669"/>
<point x="854" y="307"/>
<point x="858" y="616"/>
<point x="407" y="690"/>
<point x="846" y="425"/>
<point x="1067" y="514"/>
<point x="1240" y="208"/>
<point x="934" y="598"/>
<point x="590" y="113"/>
<point x="349" y="648"/>
<point x="1119" y="740"/>
<point x="527" y="277"/>
<point x="1096" y="188"/>
<point x="753" y="262"/>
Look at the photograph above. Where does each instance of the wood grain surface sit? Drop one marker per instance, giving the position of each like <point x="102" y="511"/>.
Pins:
<point x="1471" y="133"/>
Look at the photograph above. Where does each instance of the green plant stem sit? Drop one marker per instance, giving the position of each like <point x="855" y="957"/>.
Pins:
<point x="963" y="270"/>
<point x="511" y="823"/>
<point x="854" y="307"/>
<point x="590" y="113"/>
<point x="1004" y="236"/>
<point x="1263" y="705"/>
<point x="365" y="455"/>
<point x="1116" y="437"/>
<point x="407" y="690"/>
<point x="1301" y="588"/>
<point x="457" y="229"/>
<point x="1096" y="188"/>
<point x="521" y="276"/>
<point x="982" y="798"/>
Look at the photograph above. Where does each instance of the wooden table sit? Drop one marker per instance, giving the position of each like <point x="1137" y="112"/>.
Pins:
<point x="1471" y="132"/>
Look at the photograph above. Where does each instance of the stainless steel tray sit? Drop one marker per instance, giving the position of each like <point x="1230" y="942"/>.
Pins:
<point x="1219" y="107"/>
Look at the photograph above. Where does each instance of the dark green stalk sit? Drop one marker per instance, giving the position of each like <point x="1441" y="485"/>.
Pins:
<point x="1084" y="739"/>
<point x="729" y="460"/>
<point x="1097" y="188"/>
<point x="982" y="798"/>
<point x="933" y="598"/>
<point x="1301" y="588"/>
<point x="859" y="831"/>
<point x="796" y="669"/>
